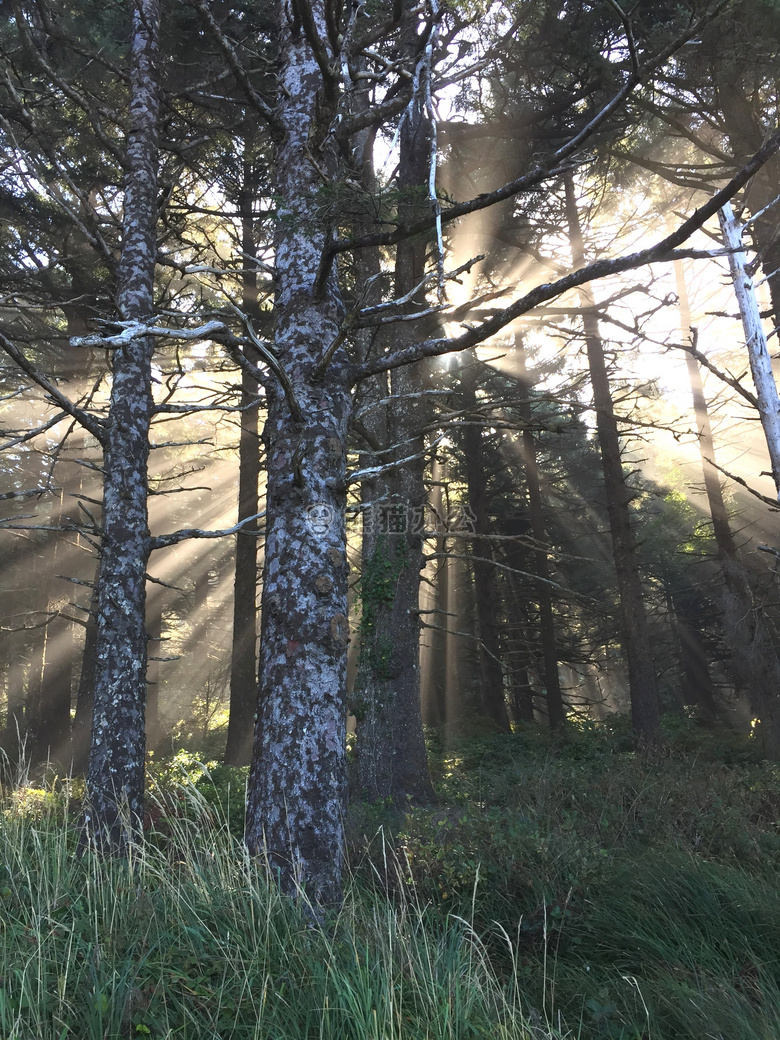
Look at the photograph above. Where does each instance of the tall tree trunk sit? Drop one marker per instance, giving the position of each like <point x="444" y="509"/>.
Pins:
<point x="297" y="779"/>
<point x="755" y="338"/>
<point x="243" y="665"/>
<point x="389" y="678"/>
<point x="115" y="776"/>
<point x="372" y="694"/>
<point x="555" y="712"/>
<point x="755" y="658"/>
<point x="636" y="639"/>
<point x="492" y="697"/>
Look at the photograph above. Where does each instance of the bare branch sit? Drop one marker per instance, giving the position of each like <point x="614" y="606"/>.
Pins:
<point x="236" y="67"/>
<point x="743" y="483"/>
<point x="89" y="422"/>
<point x="32" y="434"/>
<point x="51" y="615"/>
<point x="375" y="471"/>
<point x="175" y="537"/>
<point x="32" y="493"/>
<point x="132" y="330"/>
<point x="664" y="251"/>
<point x="273" y="363"/>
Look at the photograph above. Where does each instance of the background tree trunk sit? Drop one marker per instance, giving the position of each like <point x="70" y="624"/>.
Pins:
<point x="492" y="695"/>
<point x="389" y="678"/>
<point x="555" y="711"/>
<point x="243" y="659"/>
<point x="636" y="639"/>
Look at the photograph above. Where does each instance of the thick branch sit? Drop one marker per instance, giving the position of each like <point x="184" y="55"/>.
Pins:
<point x="543" y="171"/>
<point x="175" y="537"/>
<point x="663" y="251"/>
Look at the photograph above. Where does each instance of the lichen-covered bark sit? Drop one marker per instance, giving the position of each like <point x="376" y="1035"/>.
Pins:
<point x="115" y="776"/>
<point x="297" y="779"/>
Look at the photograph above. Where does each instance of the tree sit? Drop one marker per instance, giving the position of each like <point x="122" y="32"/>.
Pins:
<point x="325" y="55"/>
<point x="297" y="778"/>
<point x="645" y="712"/>
<point x="747" y="632"/>
<point x="115" y="777"/>
<point x="391" y="748"/>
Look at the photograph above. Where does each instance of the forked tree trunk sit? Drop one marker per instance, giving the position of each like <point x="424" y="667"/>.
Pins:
<point x="297" y="779"/>
<point x="636" y="638"/>
<point x="115" y="777"/>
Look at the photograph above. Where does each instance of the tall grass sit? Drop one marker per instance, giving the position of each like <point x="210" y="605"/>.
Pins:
<point x="187" y="939"/>
<point x="573" y="890"/>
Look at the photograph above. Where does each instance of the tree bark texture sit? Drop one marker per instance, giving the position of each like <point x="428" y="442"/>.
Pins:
<point x="636" y="639"/>
<point x="297" y="779"/>
<point x="115" y="776"/>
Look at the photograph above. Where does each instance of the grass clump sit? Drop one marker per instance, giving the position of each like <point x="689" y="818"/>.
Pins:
<point x="633" y="886"/>
<point x="187" y="939"/>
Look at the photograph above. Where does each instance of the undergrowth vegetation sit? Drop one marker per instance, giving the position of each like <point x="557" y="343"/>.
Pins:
<point x="558" y="889"/>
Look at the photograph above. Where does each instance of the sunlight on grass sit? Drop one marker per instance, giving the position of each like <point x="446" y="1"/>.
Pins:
<point x="186" y="939"/>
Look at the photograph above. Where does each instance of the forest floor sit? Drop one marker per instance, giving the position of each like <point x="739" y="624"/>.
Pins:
<point x="567" y="888"/>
